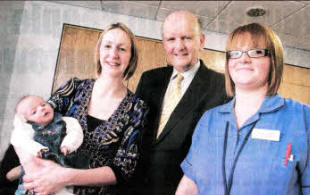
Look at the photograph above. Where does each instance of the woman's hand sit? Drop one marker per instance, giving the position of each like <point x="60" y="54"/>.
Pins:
<point x="43" y="176"/>
<point x="13" y="174"/>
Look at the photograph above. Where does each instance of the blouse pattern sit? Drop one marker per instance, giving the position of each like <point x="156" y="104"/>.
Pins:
<point x="114" y="142"/>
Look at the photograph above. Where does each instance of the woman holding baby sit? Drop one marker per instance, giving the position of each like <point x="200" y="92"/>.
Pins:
<point x="111" y="118"/>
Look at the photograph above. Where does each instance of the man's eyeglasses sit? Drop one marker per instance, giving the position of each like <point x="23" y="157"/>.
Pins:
<point x="253" y="53"/>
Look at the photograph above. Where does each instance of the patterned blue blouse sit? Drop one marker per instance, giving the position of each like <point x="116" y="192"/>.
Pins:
<point x="114" y="143"/>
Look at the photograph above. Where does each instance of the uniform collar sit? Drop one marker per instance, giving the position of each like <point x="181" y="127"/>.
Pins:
<point x="270" y="104"/>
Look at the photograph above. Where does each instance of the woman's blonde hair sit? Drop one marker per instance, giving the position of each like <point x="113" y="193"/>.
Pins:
<point x="132" y="65"/>
<point x="273" y="45"/>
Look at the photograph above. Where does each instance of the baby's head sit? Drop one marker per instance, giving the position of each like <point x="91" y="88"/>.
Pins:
<point x="35" y="109"/>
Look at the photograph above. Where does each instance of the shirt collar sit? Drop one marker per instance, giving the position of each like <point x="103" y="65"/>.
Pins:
<point x="270" y="104"/>
<point x="189" y="73"/>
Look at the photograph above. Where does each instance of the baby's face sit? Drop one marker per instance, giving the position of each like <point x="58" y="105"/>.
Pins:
<point x="36" y="110"/>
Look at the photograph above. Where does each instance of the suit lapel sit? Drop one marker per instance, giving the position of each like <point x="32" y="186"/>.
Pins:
<point x="160" y="89"/>
<point x="188" y="102"/>
<point x="158" y="93"/>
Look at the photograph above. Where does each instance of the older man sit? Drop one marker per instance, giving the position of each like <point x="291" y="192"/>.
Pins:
<point x="177" y="95"/>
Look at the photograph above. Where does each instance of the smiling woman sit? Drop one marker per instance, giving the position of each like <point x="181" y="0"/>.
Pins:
<point x="114" y="53"/>
<point x="117" y="44"/>
<point x="112" y="119"/>
<point x="248" y="70"/>
<point x="257" y="130"/>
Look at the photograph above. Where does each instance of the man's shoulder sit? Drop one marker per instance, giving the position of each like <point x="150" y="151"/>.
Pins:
<point x="153" y="80"/>
<point x="158" y="71"/>
<point x="209" y="74"/>
<point x="205" y="69"/>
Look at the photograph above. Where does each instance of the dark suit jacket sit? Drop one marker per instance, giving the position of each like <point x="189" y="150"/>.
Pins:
<point x="159" y="171"/>
<point x="9" y="161"/>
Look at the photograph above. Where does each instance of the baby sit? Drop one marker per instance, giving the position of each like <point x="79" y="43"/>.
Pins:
<point x="46" y="134"/>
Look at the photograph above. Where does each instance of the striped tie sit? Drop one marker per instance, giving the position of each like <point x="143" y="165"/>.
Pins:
<point x="172" y="100"/>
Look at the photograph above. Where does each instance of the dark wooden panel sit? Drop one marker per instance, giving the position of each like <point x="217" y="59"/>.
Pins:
<point x="76" y="55"/>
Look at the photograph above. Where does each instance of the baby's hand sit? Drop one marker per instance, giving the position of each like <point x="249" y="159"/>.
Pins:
<point x="65" y="150"/>
<point x="39" y="154"/>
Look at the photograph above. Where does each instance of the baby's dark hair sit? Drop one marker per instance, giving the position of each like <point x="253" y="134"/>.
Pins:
<point x="21" y="100"/>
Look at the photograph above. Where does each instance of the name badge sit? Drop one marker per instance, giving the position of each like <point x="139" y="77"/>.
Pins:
<point x="266" y="134"/>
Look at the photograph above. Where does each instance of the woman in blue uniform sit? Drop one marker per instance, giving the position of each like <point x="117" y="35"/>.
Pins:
<point x="258" y="143"/>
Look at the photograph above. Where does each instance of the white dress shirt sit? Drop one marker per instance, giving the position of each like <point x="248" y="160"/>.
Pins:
<point x="188" y="77"/>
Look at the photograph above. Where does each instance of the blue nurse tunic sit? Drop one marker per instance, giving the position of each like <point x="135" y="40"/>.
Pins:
<point x="269" y="154"/>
